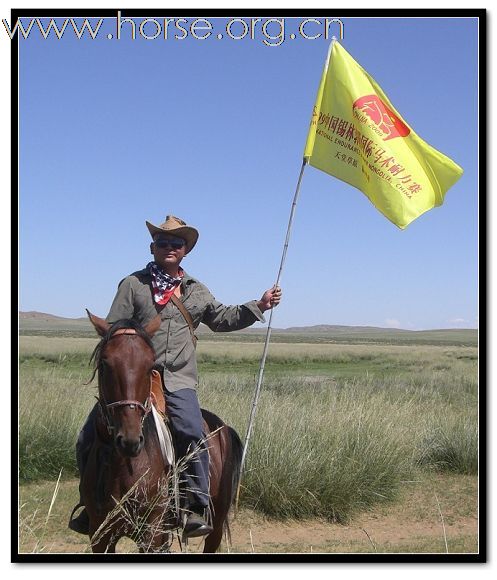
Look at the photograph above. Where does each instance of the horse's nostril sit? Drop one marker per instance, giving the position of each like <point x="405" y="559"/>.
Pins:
<point x="129" y="447"/>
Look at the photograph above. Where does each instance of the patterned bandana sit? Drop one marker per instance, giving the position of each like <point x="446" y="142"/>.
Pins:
<point x="163" y="285"/>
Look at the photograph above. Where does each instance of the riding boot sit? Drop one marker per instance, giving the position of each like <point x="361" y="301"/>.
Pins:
<point x="196" y="524"/>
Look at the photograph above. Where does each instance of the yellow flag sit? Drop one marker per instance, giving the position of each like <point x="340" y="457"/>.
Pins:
<point x="357" y="135"/>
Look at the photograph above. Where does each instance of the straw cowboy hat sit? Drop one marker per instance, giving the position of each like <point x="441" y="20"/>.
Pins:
<point x="174" y="226"/>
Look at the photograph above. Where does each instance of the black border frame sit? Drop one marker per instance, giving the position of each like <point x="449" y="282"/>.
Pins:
<point x="481" y="556"/>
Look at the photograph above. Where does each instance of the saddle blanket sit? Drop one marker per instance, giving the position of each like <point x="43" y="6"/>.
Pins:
<point x="165" y="439"/>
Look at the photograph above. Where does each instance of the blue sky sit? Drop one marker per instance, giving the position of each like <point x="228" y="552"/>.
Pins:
<point x="113" y="133"/>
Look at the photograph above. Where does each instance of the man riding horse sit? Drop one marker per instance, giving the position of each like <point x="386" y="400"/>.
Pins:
<point x="183" y="303"/>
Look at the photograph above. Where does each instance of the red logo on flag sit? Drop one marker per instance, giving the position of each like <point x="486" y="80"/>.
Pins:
<point x="385" y="119"/>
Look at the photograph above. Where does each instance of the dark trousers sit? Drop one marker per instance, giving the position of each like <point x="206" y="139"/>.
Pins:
<point x="186" y="427"/>
<point x="186" y="421"/>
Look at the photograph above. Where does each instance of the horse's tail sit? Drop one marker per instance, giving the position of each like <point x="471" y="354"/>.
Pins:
<point x="236" y="454"/>
<point x="236" y="466"/>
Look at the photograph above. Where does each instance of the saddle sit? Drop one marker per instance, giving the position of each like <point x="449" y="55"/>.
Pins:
<point x="157" y="394"/>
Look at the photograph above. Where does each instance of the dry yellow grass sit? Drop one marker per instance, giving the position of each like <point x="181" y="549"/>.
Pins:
<point x="55" y="345"/>
<point x="253" y="350"/>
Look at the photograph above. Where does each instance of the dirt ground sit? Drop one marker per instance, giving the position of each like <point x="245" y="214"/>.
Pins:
<point x="437" y="514"/>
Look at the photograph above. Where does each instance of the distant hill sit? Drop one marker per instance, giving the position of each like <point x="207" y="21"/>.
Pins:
<point x="33" y="315"/>
<point x="337" y="329"/>
<point x="41" y="323"/>
<point x="35" y="323"/>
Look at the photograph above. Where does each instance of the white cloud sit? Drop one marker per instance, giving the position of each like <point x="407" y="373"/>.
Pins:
<point x="457" y="321"/>
<point x="392" y="323"/>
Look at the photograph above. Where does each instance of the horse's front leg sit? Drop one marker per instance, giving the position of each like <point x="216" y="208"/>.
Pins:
<point x="105" y="545"/>
<point x="154" y="539"/>
<point x="103" y="541"/>
<point x="160" y="543"/>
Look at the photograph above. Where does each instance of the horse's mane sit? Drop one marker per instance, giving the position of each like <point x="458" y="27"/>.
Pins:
<point x="120" y="324"/>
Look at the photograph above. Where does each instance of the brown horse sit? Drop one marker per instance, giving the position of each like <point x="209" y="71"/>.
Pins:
<point x="127" y="485"/>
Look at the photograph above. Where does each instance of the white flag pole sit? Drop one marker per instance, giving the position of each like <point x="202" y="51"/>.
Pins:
<point x="268" y="333"/>
<point x="305" y="161"/>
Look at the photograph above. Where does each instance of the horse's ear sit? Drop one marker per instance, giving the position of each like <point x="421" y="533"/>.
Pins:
<point x="153" y="326"/>
<point x="101" y="325"/>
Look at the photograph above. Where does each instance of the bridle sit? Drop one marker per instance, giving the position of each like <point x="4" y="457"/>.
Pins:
<point x="107" y="408"/>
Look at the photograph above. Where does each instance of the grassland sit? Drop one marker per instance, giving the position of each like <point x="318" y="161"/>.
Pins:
<point x="320" y="334"/>
<point x="340" y="428"/>
<point x="412" y="524"/>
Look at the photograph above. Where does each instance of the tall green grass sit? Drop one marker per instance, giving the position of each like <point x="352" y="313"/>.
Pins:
<point x="53" y="404"/>
<point x="450" y="443"/>
<point x="329" y="448"/>
<point x="326" y="444"/>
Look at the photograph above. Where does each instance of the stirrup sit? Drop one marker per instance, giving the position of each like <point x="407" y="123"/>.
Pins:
<point x="80" y="523"/>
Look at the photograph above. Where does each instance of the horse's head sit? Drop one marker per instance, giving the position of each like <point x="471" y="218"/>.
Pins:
<point x="124" y="360"/>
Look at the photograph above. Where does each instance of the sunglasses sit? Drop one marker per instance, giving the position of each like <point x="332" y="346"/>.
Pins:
<point x="174" y="243"/>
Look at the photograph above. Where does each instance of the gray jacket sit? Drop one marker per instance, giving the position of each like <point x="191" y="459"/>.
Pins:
<point x="173" y="344"/>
